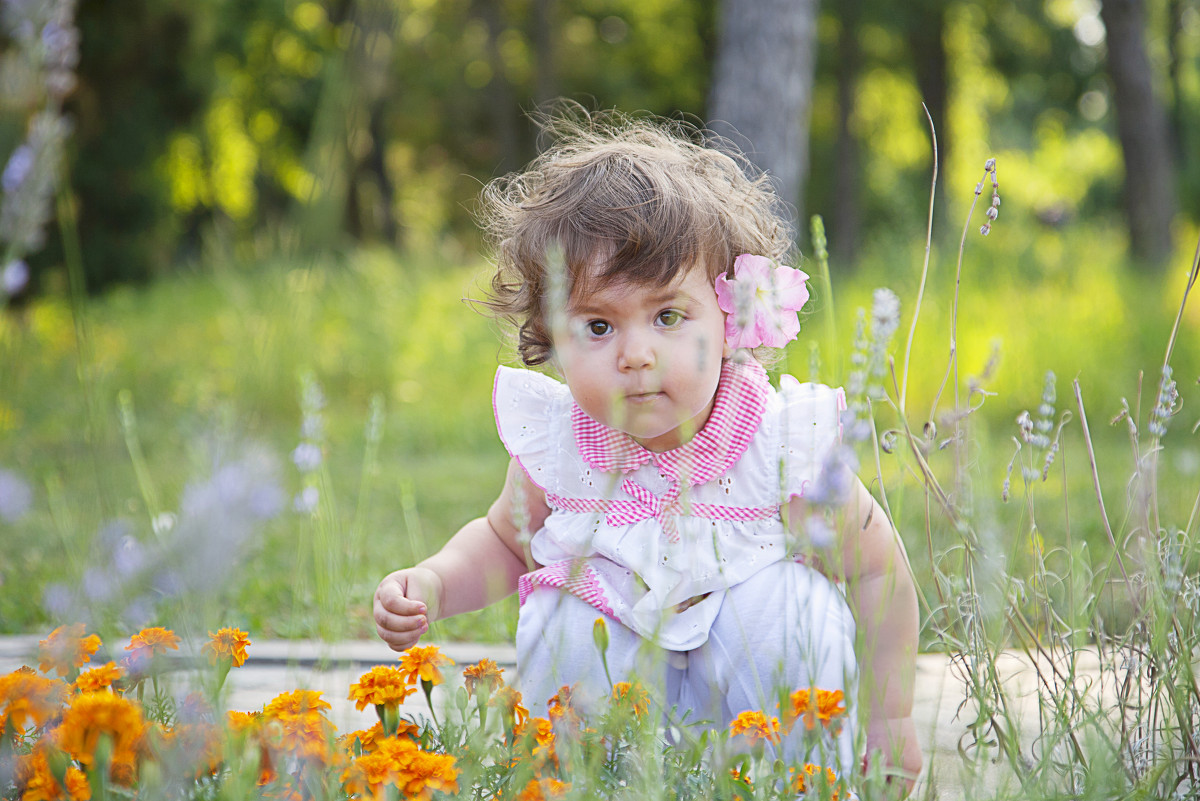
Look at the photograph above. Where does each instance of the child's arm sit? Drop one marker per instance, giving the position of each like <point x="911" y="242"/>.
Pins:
<point x="884" y="601"/>
<point x="478" y="566"/>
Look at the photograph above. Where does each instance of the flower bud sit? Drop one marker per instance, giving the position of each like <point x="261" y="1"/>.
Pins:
<point x="600" y="635"/>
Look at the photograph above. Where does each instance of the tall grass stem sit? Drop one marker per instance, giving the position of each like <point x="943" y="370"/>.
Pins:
<point x="821" y="251"/>
<point x="134" y="446"/>
<point x="1087" y="441"/>
<point x="912" y="329"/>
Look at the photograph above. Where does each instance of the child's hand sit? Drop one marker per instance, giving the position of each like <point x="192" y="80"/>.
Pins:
<point x="894" y="740"/>
<point x="403" y="602"/>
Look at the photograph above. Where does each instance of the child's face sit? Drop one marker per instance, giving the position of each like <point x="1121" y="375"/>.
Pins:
<point x="646" y="360"/>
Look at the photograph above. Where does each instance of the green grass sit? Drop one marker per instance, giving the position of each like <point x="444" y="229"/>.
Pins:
<point x="212" y="358"/>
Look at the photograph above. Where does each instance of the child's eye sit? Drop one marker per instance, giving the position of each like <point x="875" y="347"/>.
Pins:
<point x="598" y="328"/>
<point x="670" y="317"/>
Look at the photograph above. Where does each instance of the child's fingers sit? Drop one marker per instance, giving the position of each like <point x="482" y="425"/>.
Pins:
<point x="396" y="594"/>
<point x="399" y="631"/>
<point x="398" y="604"/>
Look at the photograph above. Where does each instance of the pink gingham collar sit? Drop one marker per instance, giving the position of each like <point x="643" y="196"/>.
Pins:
<point x="737" y="411"/>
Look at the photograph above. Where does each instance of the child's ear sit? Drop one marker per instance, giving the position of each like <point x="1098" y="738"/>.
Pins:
<point x="726" y="351"/>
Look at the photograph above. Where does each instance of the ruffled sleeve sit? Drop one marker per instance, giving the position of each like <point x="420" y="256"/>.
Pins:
<point x="811" y="424"/>
<point x="529" y="408"/>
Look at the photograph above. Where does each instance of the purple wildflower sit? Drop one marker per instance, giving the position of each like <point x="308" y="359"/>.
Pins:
<point x="15" y="496"/>
<point x="19" y="165"/>
<point x="14" y="278"/>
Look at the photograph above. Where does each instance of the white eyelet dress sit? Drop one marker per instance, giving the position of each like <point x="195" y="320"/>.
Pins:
<point x="683" y="553"/>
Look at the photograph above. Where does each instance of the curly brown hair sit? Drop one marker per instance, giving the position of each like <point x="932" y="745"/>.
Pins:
<point x="620" y="199"/>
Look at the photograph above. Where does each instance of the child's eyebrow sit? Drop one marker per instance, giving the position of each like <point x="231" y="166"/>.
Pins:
<point x="664" y="295"/>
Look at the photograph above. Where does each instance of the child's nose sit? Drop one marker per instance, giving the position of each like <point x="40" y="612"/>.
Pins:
<point x="637" y="352"/>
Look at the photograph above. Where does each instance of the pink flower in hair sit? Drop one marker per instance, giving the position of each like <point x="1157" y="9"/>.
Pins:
<point x="761" y="301"/>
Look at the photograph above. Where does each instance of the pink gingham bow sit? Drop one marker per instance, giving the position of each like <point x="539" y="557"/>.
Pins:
<point x="648" y="505"/>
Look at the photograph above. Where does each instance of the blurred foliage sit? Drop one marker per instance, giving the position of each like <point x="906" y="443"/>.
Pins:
<point x="268" y="127"/>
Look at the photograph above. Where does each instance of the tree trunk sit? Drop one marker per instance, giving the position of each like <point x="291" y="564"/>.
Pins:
<point x="762" y="87"/>
<point x="503" y="109"/>
<point x="546" y="78"/>
<point x="846" y="225"/>
<point x="926" y="42"/>
<point x="1142" y="128"/>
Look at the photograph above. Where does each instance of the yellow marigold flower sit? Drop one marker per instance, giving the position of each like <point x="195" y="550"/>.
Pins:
<point x="36" y="781"/>
<point x="486" y="674"/>
<point x="632" y="694"/>
<point x="92" y="715"/>
<point x="154" y="640"/>
<point x="228" y="644"/>
<point x="423" y="662"/>
<point x="66" y="648"/>
<point x="543" y="789"/>
<point x="756" y="726"/>
<point x="99" y="678"/>
<point x="382" y="685"/>
<point x="826" y="708"/>
<point x="802" y="780"/>
<point x="26" y="697"/>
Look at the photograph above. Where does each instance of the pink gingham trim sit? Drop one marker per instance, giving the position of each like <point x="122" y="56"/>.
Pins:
<point x="574" y="576"/>
<point x="645" y="506"/>
<point x="737" y="411"/>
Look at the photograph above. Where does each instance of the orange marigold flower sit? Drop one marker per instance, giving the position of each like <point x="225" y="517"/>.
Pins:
<point x="633" y="695"/>
<point x="540" y="734"/>
<point x="802" y="781"/>
<point x="486" y="674"/>
<point x="387" y="763"/>
<point x="66" y="649"/>
<point x="423" y="662"/>
<point x="756" y="726"/>
<point x="154" y="640"/>
<point x="827" y="707"/>
<point x="362" y="739"/>
<point x="742" y="778"/>
<point x="382" y="685"/>
<point x="99" y="678"/>
<point x="242" y="722"/>
<point x="509" y="701"/>
<point x="26" y="697"/>
<point x="561" y="707"/>
<point x="296" y="702"/>
<point x="543" y="789"/>
<point x="36" y="781"/>
<point x="93" y="715"/>
<point x="228" y="644"/>
<point x="295" y="723"/>
<point x="428" y="773"/>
